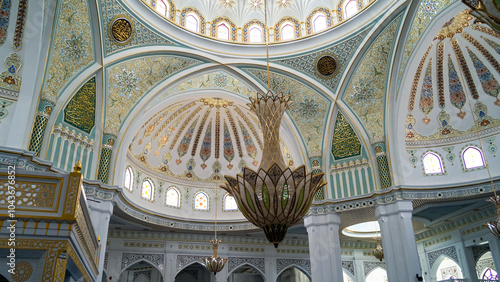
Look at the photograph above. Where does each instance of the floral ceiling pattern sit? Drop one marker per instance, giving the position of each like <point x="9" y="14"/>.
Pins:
<point x="365" y="93"/>
<point x="129" y="81"/>
<point x="72" y="47"/>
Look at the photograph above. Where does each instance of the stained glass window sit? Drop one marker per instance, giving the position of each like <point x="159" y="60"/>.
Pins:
<point x="161" y="7"/>
<point x="201" y="201"/>
<point x="192" y="22"/>
<point x="255" y="34"/>
<point x="350" y="8"/>
<point x="472" y="158"/>
<point x="432" y="163"/>
<point x="287" y="31"/>
<point x="223" y="31"/>
<point x="129" y="178"/>
<point x="230" y="203"/>
<point x="490" y="274"/>
<point x="147" y="189"/>
<point x="173" y="197"/>
<point x="319" y="22"/>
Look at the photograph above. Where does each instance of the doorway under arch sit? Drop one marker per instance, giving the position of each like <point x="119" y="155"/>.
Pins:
<point x="377" y="275"/>
<point x="246" y="273"/>
<point x="141" y="271"/>
<point x="293" y="274"/>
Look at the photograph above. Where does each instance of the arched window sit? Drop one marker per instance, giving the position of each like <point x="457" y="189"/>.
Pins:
<point x="432" y="163"/>
<point x="192" y="22"/>
<point x="147" y="189"/>
<point x="448" y="269"/>
<point x="173" y="197"/>
<point x="162" y="7"/>
<point x="255" y="34"/>
<point x="129" y="178"/>
<point x="472" y="158"/>
<point x="319" y="22"/>
<point x="223" y="31"/>
<point x="201" y="201"/>
<point x="230" y="203"/>
<point x="350" y="8"/>
<point x="489" y="274"/>
<point x="287" y="31"/>
<point x="346" y="277"/>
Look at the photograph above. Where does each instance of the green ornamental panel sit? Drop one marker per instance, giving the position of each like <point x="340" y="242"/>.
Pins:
<point x="345" y="142"/>
<point x="80" y="111"/>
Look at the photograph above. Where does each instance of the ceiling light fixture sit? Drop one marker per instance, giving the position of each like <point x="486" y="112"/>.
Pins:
<point x="274" y="197"/>
<point x="215" y="263"/>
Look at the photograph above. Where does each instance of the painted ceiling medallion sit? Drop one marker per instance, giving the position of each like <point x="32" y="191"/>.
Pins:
<point x="255" y="4"/>
<point x="326" y="65"/>
<point x="121" y="29"/>
<point x="454" y="25"/>
<point x="284" y="3"/>
<point x="227" y="3"/>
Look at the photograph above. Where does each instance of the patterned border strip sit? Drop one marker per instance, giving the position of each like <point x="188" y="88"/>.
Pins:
<point x="303" y="264"/>
<point x="450" y="252"/>
<point x="235" y="262"/>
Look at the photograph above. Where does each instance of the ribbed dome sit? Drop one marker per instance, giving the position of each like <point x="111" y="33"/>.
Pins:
<point x="200" y="140"/>
<point x="458" y="72"/>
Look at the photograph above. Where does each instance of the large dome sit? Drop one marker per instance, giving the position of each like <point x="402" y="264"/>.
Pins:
<point x="200" y="140"/>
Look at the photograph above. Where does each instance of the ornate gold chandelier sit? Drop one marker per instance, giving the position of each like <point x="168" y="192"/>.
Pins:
<point x="378" y="252"/>
<point x="274" y="197"/>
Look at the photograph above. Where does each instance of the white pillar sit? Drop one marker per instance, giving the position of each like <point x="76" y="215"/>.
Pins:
<point x="494" y="243"/>
<point x="324" y="247"/>
<point x="398" y="241"/>
<point x="100" y="213"/>
<point x="468" y="264"/>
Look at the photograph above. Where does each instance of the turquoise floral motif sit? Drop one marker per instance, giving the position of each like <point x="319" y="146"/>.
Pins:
<point x="216" y="167"/>
<point x="74" y="48"/>
<point x="413" y="159"/>
<point x="481" y="111"/>
<point x="309" y="108"/>
<point x="443" y="119"/>
<point x="10" y="79"/>
<point x="364" y="93"/>
<point x="488" y="82"/>
<point x="457" y="94"/>
<point x="126" y="82"/>
<point x="450" y="156"/>
<point x="191" y="164"/>
<point x="492" y="147"/>
<point x="220" y="80"/>
<point x="428" y="8"/>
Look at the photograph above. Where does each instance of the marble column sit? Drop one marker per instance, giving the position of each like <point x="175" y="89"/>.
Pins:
<point x="100" y="214"/>
<point x="324" y="247"/>
<point x="398" y="241"/>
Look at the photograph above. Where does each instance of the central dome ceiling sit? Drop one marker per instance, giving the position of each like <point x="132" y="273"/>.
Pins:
<point x="200" y="140"/>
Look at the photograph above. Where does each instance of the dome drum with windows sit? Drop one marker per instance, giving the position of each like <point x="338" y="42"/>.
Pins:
<point x="273" y="198"/>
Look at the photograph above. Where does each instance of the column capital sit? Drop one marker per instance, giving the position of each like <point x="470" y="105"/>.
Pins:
<point x="400" y="206"/>
<point x="321" y="219"/>
<point x="101" y="206"/>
